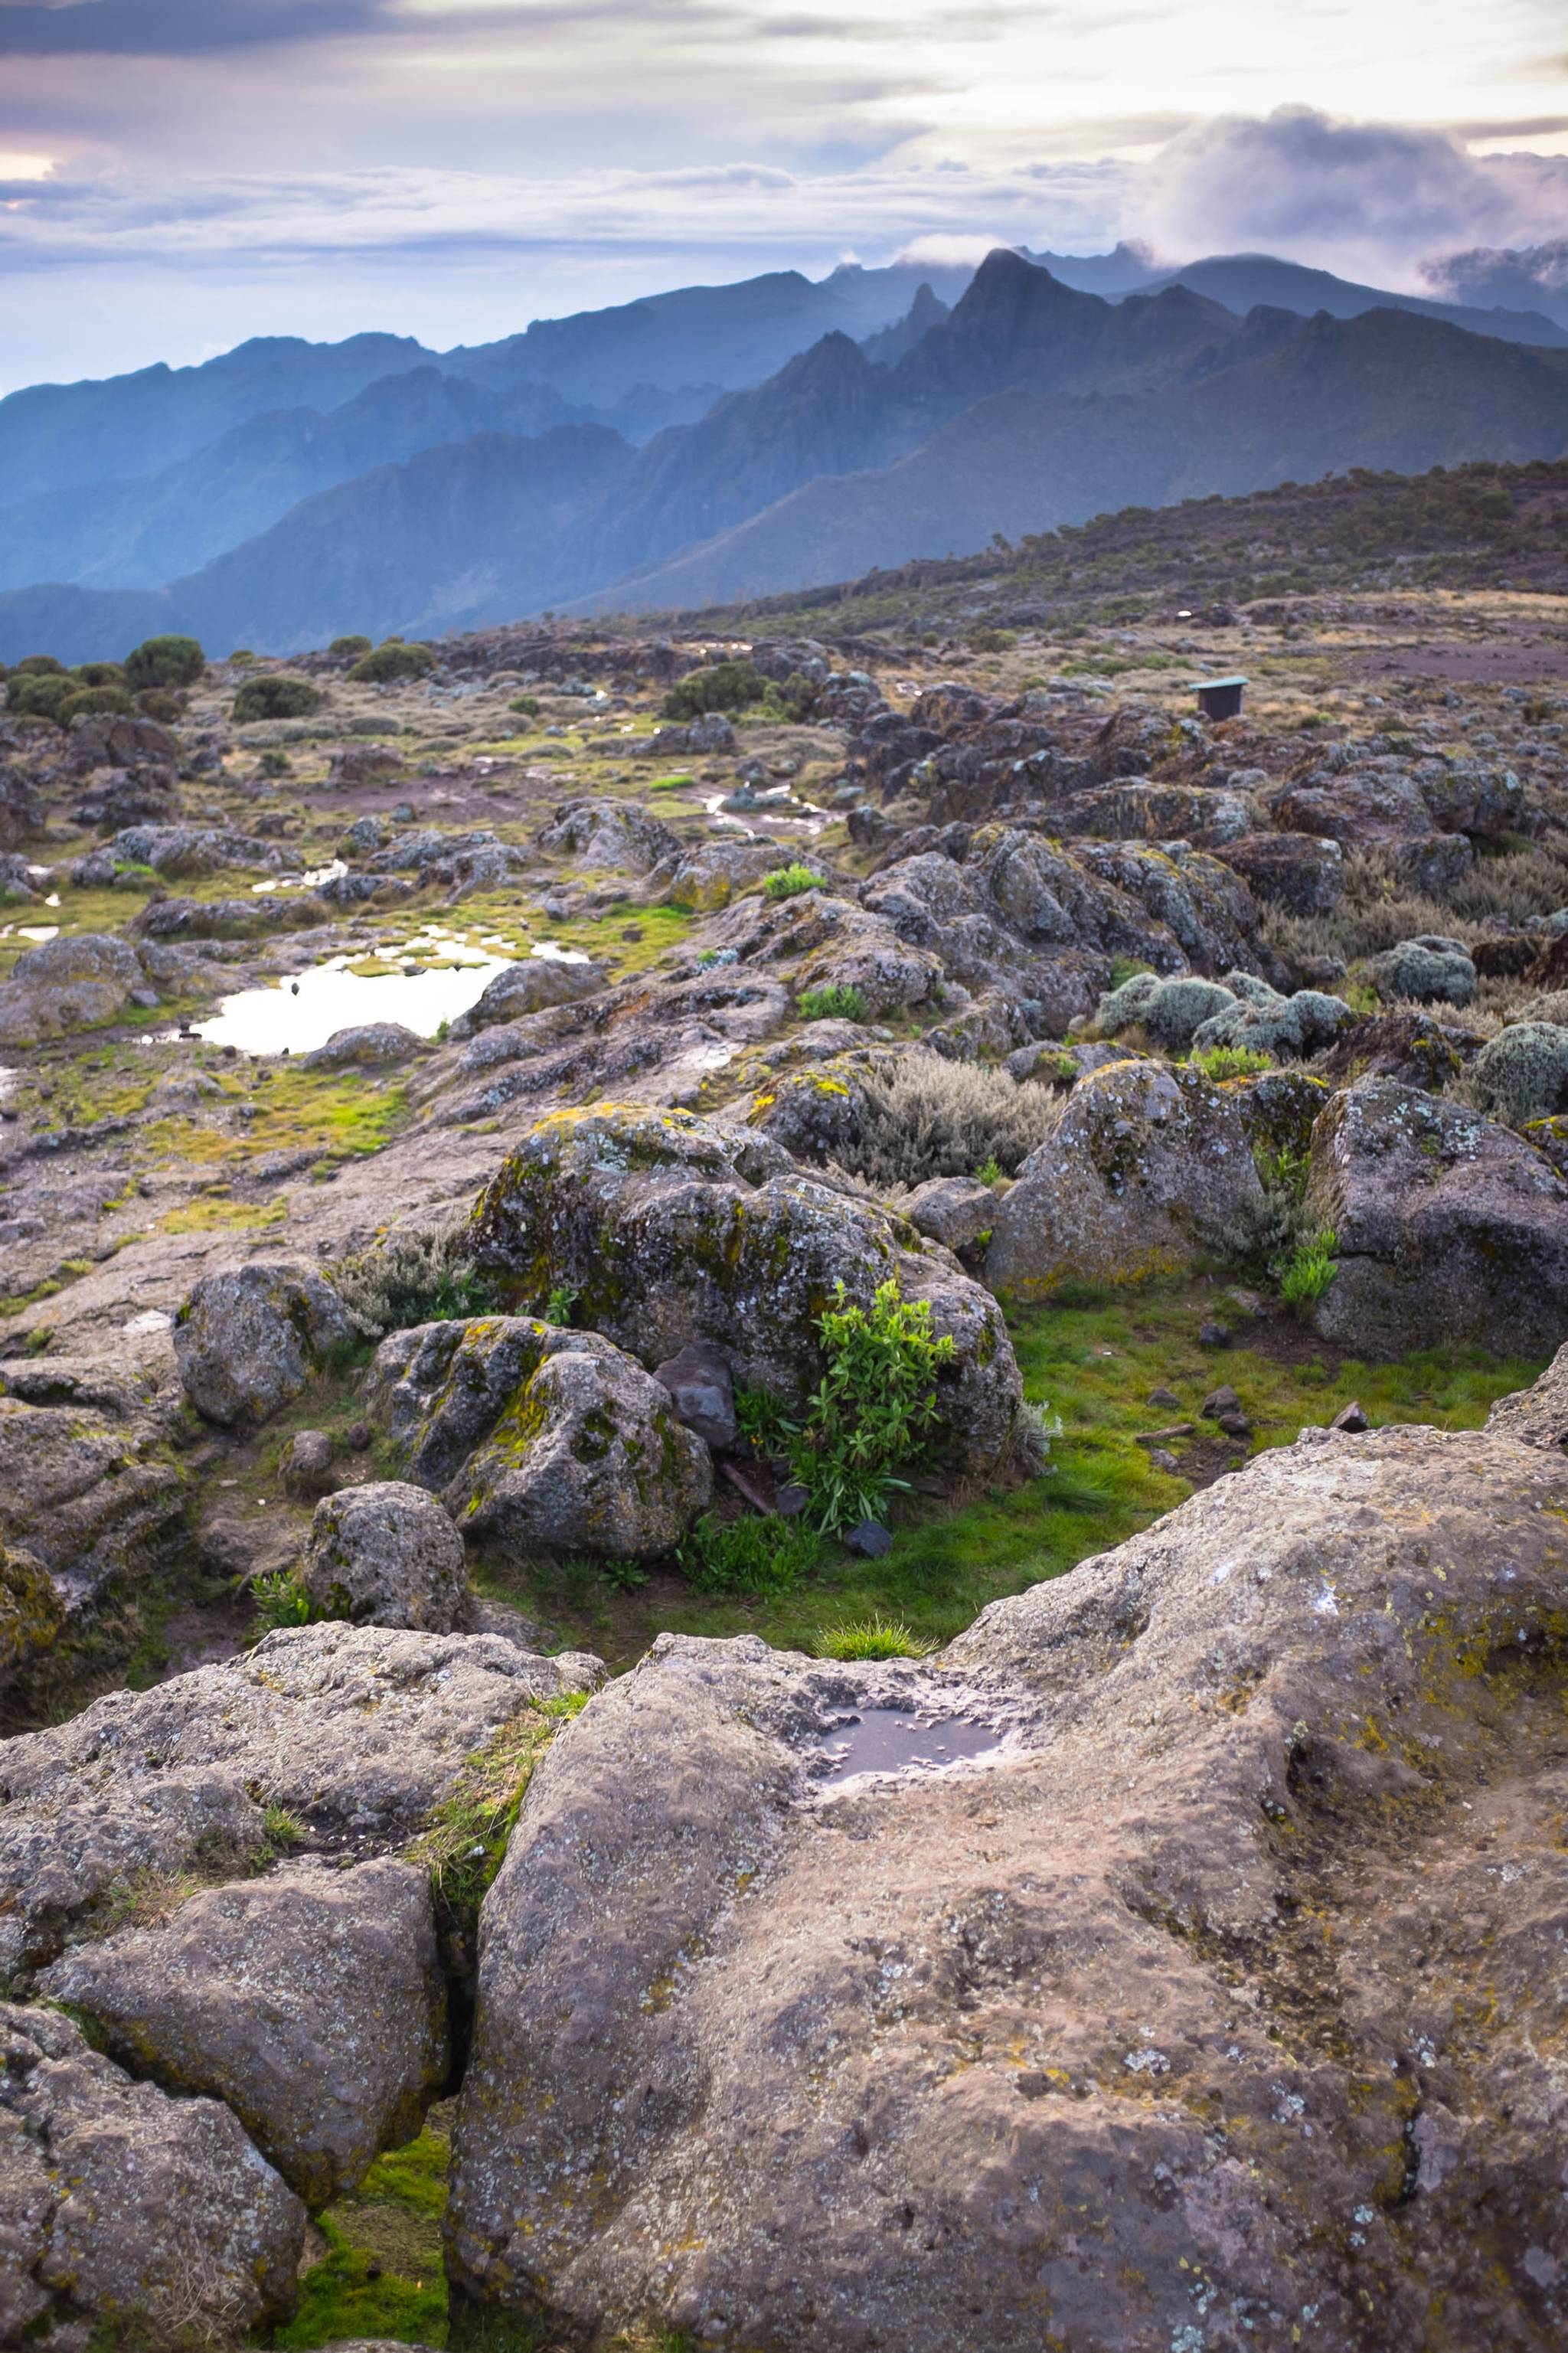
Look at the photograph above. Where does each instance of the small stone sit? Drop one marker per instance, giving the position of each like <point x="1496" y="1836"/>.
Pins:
<point x="791" y="1499"/>
<point x="1234" y="1425"/>
<point x="1218" y="1403"/>
<point x="1247" y="1301"/>
<point x="1214" y="1336"/>
<point x="306" y="1463"/>
<point x="1352" y="1416"/>
<point x="698" y="1379"/>
<point x="1160" y="1459"/>
<point x="870" y="1540"/>
<point x="1166" y="1397"/>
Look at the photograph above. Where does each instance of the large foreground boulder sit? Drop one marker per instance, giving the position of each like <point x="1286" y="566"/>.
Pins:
<point x="1149" y="1170"/>
<point x="247" y="1341"/>
<point x="540" y="1440"/>
<point x="128" y="2217"/>
<point x="1218" y="2005"/>
<point x="312" y="2002"/>
<point x="671" y="1228"/>
<point x="357" y="1732"/>
<point x="1450" y="1228"/>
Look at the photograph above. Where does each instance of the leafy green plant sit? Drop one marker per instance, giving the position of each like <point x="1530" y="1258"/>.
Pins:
<point x="559" y="1306"/>
<point x="525" y="706"/>
<point x="761" y="1421"/>
<point x="466" y="1841"/>
<point x="755" y="1555"/>
<point x="834" y="1001"/>
<point x="1281" y="1170"/>
<point x="274" y="763"/>
<point x="1311" y="1271"/>
<point x="1232" y="1062"/>
<point x="871" y="1638"/>
<point x="789" y="881"/>
<point x="990" y="1171"/>
<point x="873" y="1407"/>
<point x="281" y="1600"/>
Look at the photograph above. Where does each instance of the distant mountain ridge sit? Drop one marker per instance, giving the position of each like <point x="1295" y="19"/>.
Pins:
<point x="1030" y="403"/>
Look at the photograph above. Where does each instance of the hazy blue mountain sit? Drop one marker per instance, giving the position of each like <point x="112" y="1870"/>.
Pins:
<point x="1527" y="277"/>
<point x="1243" y="281"/>
<point x="1123" y="270"/>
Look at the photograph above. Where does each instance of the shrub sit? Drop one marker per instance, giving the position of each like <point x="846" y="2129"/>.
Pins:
<point x="38" y="694"/>
<point x="723" y="686"/>
<point x="870" y="1638"/>
<point x="391" y="662"/>
<point x="873" y="1407"/>
<point x="89" y="701"/>
<point x="921" y="1116"/>
<point x="765" y="1556"/>
<point x="40" y="666"/>
<point x="525" y="706"/>
<point x="993" y="641"/>
<point x="157" y="702"/>
<point x="281" y="1600"/>
<point x="277" y="694"/>
<point x="348" y="649"/>
<point x="419" y="1274"/>
<point x="835" y="1001"/>
<point x="164" y="662"/>
<point x="1170" y="1012"/>
<point x="1218" y="1062"/>
<point x="274" y="763"/>
<point x="99" y="674"/>
<point x="789" y="881"/>
<point x="1311" y="1271"/>
<point x="1036" y="1429"/>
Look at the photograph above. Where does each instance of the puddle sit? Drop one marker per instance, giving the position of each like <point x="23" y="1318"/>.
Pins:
<point x="899" y="1740"/>
<point x="36" y="932"/>
<point x="310" y="879"/>
<point x="302" y="1013"/>
<point x="554" y="953"/>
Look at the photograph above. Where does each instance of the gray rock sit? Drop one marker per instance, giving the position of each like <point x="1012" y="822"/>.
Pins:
<point x="247" y="1341"/>
<point x="76" y="982"/>
<point x="312" y="2002"/>
<point x="32" y="1612"/>
<point x="837" y="2062"/>
<point x="1537" y="1416"/>
<point x="698" y="1377"/>
<point x="1148" y="1172"/>
<point x="870" y="1539"/>
<point x="527" y="987"/>
<point x="358" y="1730"/>
<point x="1450" y="1228"/>
<point x="306" y="1465"/>
<point x="141" y="2212"/>
<point x="1302" y="873"/>
<point x="93" y="1494"/>
<point x="613" y="835"/>
<point x="952" y="1210"/>
<point x="373" y="1045"/>
<point x="670" y="1228"/>
<point x="385" y="1555"/>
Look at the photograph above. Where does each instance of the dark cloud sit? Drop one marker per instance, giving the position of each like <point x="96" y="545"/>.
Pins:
<point x="174" y="27"/>
<point x="1528" y="277"/>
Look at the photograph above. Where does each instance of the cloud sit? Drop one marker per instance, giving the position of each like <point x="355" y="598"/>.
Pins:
<point x="1367" y="198"/>
<point x="42" y="29"/>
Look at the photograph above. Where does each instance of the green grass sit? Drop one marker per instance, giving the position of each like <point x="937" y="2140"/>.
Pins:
<point x="382" y="2275"/>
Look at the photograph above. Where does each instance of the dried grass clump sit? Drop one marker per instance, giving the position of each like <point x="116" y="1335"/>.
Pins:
<point x="417" y="1274"/>
<point x="925" y="1116"/>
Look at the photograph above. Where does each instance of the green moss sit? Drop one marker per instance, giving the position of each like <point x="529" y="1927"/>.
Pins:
<point x="382" y="2273"/>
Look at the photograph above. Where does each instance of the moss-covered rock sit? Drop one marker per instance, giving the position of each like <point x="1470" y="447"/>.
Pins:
<point x="31" y="1610"/>
<point x="1523" y="1073"/>
<point x="249" y="1340"/>
<point x="385" y="1555"/>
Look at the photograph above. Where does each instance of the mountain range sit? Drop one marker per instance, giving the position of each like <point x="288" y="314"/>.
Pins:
<point x="719" y="442"/>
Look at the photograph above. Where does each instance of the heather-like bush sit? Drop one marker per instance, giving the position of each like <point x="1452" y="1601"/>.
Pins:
<point x="391" y="662"/>
<point x="164" y="662"/>
<point x="723" y="686"/>
<point x="348" y="648"/>
<point x="1522" y="1072"/>
<point x="922" y="1116"/>
<point x="1169" y="1012"/>
<point x="38" y="694"/>
<point x="91" y="702"/>
<point x="276" y="694"/>
<point x="1432" y="969"/>
<point x="419" y="1274"/>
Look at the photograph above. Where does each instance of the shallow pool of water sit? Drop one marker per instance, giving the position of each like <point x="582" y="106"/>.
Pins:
<point x="302" y="1013"/>
<point x="901" y="1740"/>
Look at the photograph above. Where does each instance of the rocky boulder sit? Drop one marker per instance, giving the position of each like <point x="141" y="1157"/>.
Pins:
<point x="310" y="2001"/>
<point x="249" y="1340"/>
<point x="77" y="982"/>
<point x="540" y="1439"/>
<point x="127" y="2212"/>
<point x="385" y="1555"/>
<point x="706" y="875"/>
<point x="371" y="1046"/>
<point x="358" y="1731"/>
<point x="612" y="835"/>
<point x="952" y="1210"/>
<point x="1215" y="1998"/>
<point x="31" y="1611"/>
<point x="670" y="1228"/>
<point x="91" y="1492"/>
<point x="1450" y="1228"/>
<point x="1148" y="1172"/>
<point x="1302" y="872"/>
<point x="527" y="987"/>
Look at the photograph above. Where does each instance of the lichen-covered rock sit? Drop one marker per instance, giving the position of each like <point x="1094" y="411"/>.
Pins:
<point x="1278" y="1111"/>
<point x="312" y="2002"/>
<point x="1412" y="1046"/>
<point x="76" y="982"/>
<point x="371" y="1046"/>
<point x="670" y="1228"/>
<point x="1450" y="1228"/>
<point x="31" y="1610"/>
<point x="952" y="1210"/>
<point x="529" y="985"/>
<point x="385" y="1555"/>
<point x="1432" y="969"/>
<point x="247" y="1341"/>
<point x="1147" y="1173"/>
<point x="1169" y="1012"/>
<point x="1522" y="1072"/>
<point x="1537" y="1416"/>
<point x="94" y="1498"/>
<point x="704" y="876"/>
<point x="540" y="1439"/>
<point x="1225" y="1987"/>
<point x="1302" y="873"/>
<point x="126" y="2211"/>
<point x="358" y="1730"/>
<point x="610" y="834"/>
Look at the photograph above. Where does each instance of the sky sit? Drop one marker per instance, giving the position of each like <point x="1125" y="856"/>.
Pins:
<point x="178" y="175"/>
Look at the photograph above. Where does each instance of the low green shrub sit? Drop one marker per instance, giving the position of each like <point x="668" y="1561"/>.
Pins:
<point x="100" y="673"/>
<point x="166" y="661"/>
<point x="873" y="1409"/>
<point x="871" y="1638"/>
<point x="274" y="763"/>
<point x="94" y="701"/>
<point x="525" y="706"/>
<point x="1232" y="1062"/>
<point x="348" y="649"/>
<point x="723" y="686"/>
<point x="834" y="1001"/>
<point x="276" y="694"/>
<point x="39" y="666"/>
<point x="391" y="662"/>
<point x="38" y="694"/>
<point x="160" y="703"/>
<point x="756" y="1554"/>
<point x="789" y="881"/>
<point x="281" y="1600"/>
<point x="1310" y="1273"/>
<point x="918" y="1116"/>
<point x="990" y="1171"/>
